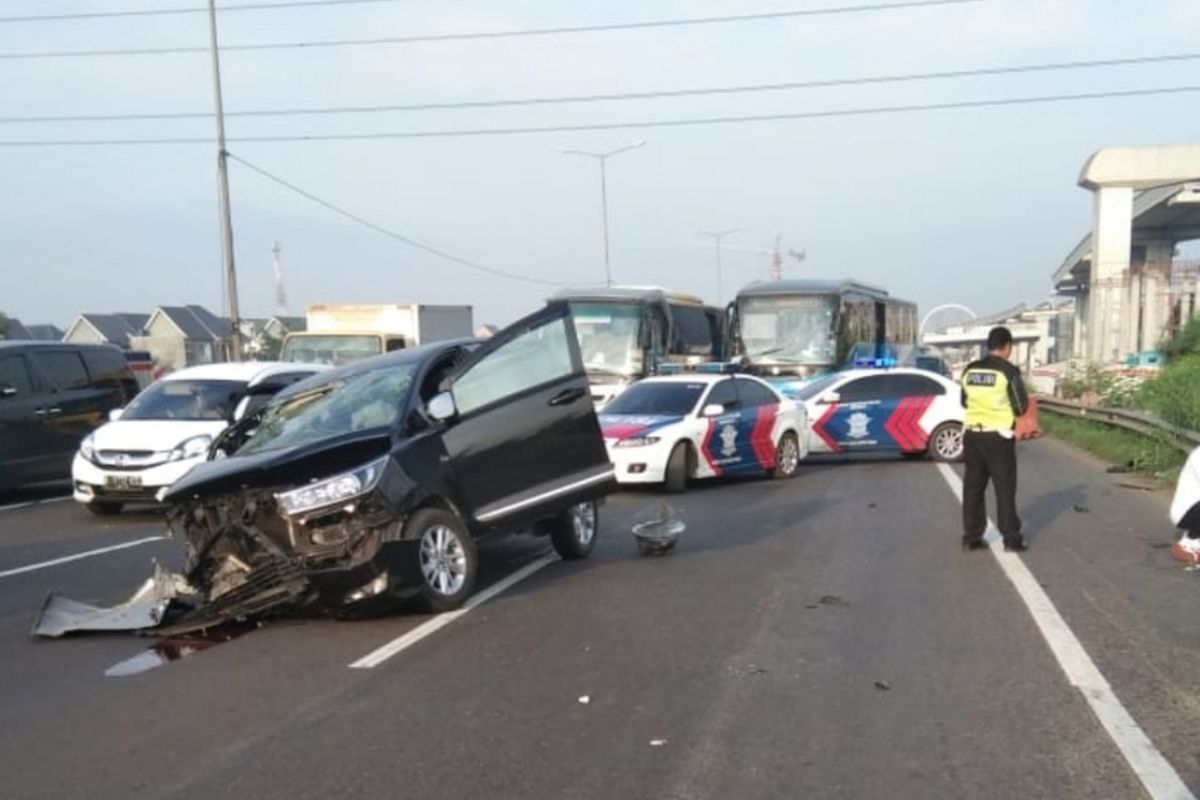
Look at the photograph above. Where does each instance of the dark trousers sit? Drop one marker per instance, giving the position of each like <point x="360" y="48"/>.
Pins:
<point x="990" y="457"/>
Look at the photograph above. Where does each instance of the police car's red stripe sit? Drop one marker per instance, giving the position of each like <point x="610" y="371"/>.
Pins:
<point x="919" y="436"/>
<point x="819" y="430"/>
<point x="895" y="425"/>
<point x="706" y="447"/>
<point x="760" y="436"/>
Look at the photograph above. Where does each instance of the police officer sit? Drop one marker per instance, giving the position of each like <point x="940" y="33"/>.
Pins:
<point x="994" y="396"/>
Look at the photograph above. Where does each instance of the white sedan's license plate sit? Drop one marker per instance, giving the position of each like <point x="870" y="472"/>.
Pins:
<point x="122" y="482"/>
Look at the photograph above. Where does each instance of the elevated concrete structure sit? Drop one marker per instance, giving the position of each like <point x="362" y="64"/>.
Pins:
<point x="1146" y="201"/>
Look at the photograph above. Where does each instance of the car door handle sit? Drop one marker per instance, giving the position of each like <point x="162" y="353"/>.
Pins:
<point x="567" y="396"/>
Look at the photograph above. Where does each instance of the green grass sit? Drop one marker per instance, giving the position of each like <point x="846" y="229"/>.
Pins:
<point x="1150" y="456"/>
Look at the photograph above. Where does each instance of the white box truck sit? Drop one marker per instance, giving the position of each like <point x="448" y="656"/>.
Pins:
<point x="337" y="333"/>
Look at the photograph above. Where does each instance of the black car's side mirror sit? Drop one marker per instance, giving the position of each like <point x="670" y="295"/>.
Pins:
<point x="7" y="390"/>
<point x="442" y="407"/>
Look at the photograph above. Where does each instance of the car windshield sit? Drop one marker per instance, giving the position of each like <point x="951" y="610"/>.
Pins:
<point x="811" y="390"/>
<point x="332" y="349"/>
<point x="789" y="330"/>
<point x="344" y="404"/>
<point x="664" y="398"/>
<point x="608" y="337"/>
<point x="187" y="400"/>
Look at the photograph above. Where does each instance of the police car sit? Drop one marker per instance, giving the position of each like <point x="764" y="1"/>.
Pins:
<point x="671" y="428"/>
<point x="899" y="410"/>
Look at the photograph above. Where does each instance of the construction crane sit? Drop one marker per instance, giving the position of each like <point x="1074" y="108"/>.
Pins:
<point x="774" y="255"/>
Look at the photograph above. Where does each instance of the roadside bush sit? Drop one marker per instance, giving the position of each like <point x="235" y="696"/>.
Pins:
<point x="1088" y="384"/>
<point x="1184" y="342"/>
<point x="1175" y="394"/>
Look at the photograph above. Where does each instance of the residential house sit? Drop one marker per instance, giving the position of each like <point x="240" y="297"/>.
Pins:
<point x="46" y="333"/>
<point x="182" y="336"/>
<point x="115" y="329"/>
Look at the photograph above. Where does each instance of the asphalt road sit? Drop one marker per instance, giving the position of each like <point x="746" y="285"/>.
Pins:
<point x="818" y="638"/>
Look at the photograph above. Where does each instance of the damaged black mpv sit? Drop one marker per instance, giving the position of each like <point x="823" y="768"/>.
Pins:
<point x="375" y="480"/>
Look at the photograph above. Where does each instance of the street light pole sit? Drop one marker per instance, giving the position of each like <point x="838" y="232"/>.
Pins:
<point x="235" y="334"/>
<point x="717" y="236"/>
<point x="602" y="158"/>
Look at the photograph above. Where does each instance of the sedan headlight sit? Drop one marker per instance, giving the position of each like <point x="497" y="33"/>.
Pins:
<point x="330" y="491"/>
<point x="191" y="448"/>
<point x="638" y="441"/>
<point x="87" y="448"/>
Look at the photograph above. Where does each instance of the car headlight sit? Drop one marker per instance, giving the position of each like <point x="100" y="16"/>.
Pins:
<point x="337" y="489"/>
<point x="191" y="448"/>
<point x="638" y="441"/>
<point x="87" y="448"/>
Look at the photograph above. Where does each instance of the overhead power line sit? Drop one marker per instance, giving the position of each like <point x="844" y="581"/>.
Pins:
<point x="160" y="12"/>
<point x="502" y="34"/>
<point x="592" y="98"/>
<point x="399" y="237"/>
<point x="451" y="133"/>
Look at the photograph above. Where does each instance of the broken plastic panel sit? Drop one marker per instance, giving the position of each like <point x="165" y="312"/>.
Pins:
<point x="145" y="608"/>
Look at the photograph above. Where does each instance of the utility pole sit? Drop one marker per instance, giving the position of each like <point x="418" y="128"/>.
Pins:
<point x="277" y="266"/>
<point x="603" y="159"/>
<point x="235" y="334"/>
<point x="717" y="236"/>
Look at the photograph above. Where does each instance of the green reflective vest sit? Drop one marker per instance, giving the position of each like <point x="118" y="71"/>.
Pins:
<point x="987" y="394"/>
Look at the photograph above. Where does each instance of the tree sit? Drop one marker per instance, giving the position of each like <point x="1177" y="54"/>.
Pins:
<point x="3" y="325"/>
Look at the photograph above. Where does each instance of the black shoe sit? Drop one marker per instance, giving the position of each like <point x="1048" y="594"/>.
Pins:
<point x="1016" y="547"/>
<point x="974" y="544"/>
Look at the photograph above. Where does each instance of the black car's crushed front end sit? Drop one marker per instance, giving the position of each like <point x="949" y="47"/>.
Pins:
<point x="247" y="557"/>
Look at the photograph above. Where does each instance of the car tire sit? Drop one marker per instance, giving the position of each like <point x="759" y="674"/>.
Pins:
<point x="787" y="457"/>
<point x="946" y="442"/>
<point x="573" y="532"/>
<point x="676" y="477"/>
<point x="105" y="509"/>
<point x="447" y="561"/>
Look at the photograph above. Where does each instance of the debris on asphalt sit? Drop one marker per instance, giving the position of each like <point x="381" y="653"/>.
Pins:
<point x="585" y="700"/>
<point x="658" y="742"/>
<point x="1121" y="469"/>
<point x="147" y="607"/>
<point x="656" y="535"/>
<point x="871" y="505"/>
<point x="1139" y="487"/>
<point x="834" y="600"/>
<point x="883" y="686"/>
<point x="1081" y="509"/>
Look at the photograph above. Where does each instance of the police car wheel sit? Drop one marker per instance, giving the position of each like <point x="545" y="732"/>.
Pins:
<point x="946" y="443"/>
<point x="787" y="457"/>
<point x="573" y="532"/>
<point x="446" y="558"/>
<point x="676" y="477"/>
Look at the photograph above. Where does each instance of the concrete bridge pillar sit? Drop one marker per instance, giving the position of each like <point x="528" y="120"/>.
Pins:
<point x="1107" y="301"/>
<point x="1156" y="293"/>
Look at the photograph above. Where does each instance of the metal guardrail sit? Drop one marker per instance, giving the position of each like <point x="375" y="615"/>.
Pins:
<point x="1136" y="421"/>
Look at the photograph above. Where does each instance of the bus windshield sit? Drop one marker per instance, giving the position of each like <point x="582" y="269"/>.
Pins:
<point x="609" y="339"/>
<point x="331" y="348"/>
<point x="789" y="330"/>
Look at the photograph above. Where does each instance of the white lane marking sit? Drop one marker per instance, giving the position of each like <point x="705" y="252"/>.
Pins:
<point x="77" y="556"/>
<point x="425" y="629"/>
<point x="32" y="503"/>
<point x="1159" y="778"/>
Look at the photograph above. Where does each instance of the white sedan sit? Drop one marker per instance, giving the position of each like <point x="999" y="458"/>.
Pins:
<point x="167" y="429"/>
<point x="902" y="410"/>
<point x="672" y="428"/>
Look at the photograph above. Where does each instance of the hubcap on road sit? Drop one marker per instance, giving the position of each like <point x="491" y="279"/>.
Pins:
<point x="443" y="560"/>
<point x="583" y="520"/>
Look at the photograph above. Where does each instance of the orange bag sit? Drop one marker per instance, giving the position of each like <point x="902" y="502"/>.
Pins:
<point x="1027" y="423"/>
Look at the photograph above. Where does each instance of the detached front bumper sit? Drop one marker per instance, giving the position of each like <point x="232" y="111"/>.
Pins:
<point x="93" y="483"/>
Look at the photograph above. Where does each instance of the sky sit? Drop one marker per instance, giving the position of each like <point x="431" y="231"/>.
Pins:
<point x="975" y="206"/>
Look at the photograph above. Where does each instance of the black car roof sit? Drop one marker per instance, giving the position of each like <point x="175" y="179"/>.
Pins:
<point x="15" y="344"/>
<point x="418" y="355"/>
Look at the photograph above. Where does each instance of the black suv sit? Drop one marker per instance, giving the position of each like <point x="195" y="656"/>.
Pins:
<point x="51" y="396"/>
<point x="374" y="481"/>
